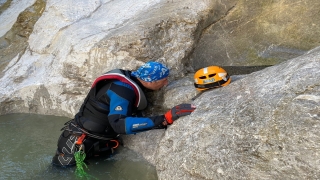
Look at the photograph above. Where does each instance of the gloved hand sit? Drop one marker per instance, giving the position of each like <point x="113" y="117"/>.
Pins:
<point x="178" y="111"/>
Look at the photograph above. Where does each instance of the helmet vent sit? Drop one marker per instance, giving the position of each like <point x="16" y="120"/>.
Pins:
<point x="211" y="75"/>
<point x="202" y="77"/>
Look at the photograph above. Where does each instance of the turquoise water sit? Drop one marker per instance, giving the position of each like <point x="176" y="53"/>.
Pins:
<point x="28" y="142"/>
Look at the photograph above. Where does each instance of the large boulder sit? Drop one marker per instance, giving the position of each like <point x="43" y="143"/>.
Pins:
<point x="262" y="126"/>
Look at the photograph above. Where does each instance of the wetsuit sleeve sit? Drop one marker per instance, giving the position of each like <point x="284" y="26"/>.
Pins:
<point x="122" y="98"/>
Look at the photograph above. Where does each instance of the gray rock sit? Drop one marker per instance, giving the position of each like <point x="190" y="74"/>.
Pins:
<point x="74" y="42"/>
<point x="263" y="126"/>
<point x="255" y="33"/>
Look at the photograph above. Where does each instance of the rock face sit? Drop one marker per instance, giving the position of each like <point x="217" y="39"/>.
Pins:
<point x="17" y="19"/>
<point x="263" y="126"/>
<point x="259" y="33"/>
<point x="75" y="41"/>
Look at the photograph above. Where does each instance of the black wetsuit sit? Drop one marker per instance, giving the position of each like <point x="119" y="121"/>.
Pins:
<point x="112" y="107"/>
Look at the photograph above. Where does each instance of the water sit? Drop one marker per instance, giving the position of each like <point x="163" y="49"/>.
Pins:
<point x="28" y="142"/>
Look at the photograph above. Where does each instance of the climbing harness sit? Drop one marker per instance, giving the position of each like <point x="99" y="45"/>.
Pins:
<point x="80" y="143"/>
<point x="82" y="131"/>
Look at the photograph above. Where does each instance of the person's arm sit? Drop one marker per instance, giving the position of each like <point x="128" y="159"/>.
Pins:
<point x="122" y="98"/>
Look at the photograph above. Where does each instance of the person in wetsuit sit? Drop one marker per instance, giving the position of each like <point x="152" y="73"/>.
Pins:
<point x="112" y="107"/>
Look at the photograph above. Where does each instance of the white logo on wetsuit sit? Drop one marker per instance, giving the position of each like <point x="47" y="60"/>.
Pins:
<point x="138" y="125"/>
<point x="118" y="108"/>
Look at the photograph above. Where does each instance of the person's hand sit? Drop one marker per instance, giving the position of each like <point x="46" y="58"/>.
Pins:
<point x="178" y="111"/>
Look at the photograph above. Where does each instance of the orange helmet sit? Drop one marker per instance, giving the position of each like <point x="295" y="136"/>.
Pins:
<point x="211" y="77"/>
